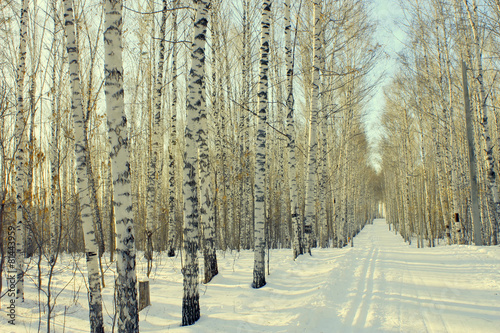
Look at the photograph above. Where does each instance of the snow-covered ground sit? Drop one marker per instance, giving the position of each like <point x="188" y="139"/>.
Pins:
<point x="379" y="285"/>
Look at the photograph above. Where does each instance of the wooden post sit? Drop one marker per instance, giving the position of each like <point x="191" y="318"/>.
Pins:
<point x="144" y="298"/>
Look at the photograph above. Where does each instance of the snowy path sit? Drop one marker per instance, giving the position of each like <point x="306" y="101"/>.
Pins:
<point x="398" y="288"/>
<point x="379" y="285"/>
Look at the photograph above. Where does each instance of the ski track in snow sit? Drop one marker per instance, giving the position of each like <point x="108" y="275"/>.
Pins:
<point x="379" y="285"/>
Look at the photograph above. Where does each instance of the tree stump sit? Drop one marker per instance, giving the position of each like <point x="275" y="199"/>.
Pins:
<point x="144" y="298"/>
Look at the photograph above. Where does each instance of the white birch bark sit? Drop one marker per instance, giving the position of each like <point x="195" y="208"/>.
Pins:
<point x="217" y="105"/>
<point x="323" y="182"/>
<point x="110" y="200"/>
<point x="93" y="187"/>
<point x="493" y="197"/>
<point x="172" y="147"/>
<point x="451" y="127"/>
<point x="20" y="138"/>
<point x="426" y="197"/>
<point x="195" y="105"/>
<point x="153" y="179"/>
<point x="128" y="317"/>
<point x="248" y="173"/>
<point x="96" y="214"/>
<point x="407" y="219"/>
<point x="243" y="138"/>
<point x="156" y="144"/>
<point x="259" y="276"/>
<point x="290" y="131"/>
<point x="29" y="227"/>
<point x="207" y="211"/>
<point x="310" y="210"/>
<point x="55" y="217"/>
<point x="91" y="249"/>
<point x="323" y="165"/>
<point x="474" y="192"/>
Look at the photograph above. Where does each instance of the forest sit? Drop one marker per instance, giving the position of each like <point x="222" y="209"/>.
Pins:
<point x="130" y="130"/>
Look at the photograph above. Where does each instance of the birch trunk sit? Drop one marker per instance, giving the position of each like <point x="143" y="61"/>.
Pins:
<point x="20" y="151"/>
<point x="91" y="249"/>
<point x="324" y="196"/>
<point x="311" y="189"/>
<point x="243" y="130"/>
<point x="323" y="182"/>
<point x="153" y="169"/>
<point x="94" y="199"/>
<point x="55" y="217"/>
<point x="128" y="317"/>
<point x="259" y="274"/>
<point x="217" y="104"/>
<point x="30" y="219"/>
<point x="451" y="127"/>
<point x="290" y="131"/>
<point x="474" y="192"/>
<point x="207" y="211"/>
<point x="195" y="106"/>
<point x="111" y="216"/>
<point x="153" y="179"/>
<point x="172" y="147"/>
<point x="493" y="198"/>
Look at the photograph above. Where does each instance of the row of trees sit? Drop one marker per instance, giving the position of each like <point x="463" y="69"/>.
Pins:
<point x="450" y="65"/>
<point x="210" y="144"/>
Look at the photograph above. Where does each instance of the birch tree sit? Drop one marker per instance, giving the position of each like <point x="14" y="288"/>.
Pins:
<point x="20" y="151"/>
<point x="128" y="317"/>
<point x="91" y="249"/>
<point x="311" y="189"/>
<point x="474" y="193"/>
<point x="493" y="197"/>
<point x="55" y="217"/>
<point x="172" y="147"/>
<point x="259" y="276"/>
<point x="296" y="223"/>
<point x="207" y="211"/>
<point x="156" y="146"/>
<point x="194" y="108"/>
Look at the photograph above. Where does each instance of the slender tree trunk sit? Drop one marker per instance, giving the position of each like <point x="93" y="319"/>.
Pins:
<point x="406" y="220"/>
<point x="20" y="152"/>
<point x="259" y="274"/>
<point x="195" y="107"/>
<point x="55" y="218"/>
<point x="323" y="183"/>
<point x="30" y="219"/>
<point x="243" y="138"/>
<point x="153" y="179"/>
<point x="112" y="224"/>
<point x="153" y="169"/>
<point x="91" y="249"/>
<point x="312" y="167"/>
<point x="94" y="198"/>
<point x="493" y="197"/>
<point x="323" y="165"/>
<point x="172" y="147"/>
<point x="217" y="104"/>
<point x="92" y="188"/>
<point x="292" y="162"/>
<point x="128" y="318"/>
<point x="207" y="211"/>
<point x="474" y="192"/>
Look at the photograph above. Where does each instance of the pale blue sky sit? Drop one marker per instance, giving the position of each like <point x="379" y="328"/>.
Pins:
<point x="391" y="37"/>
